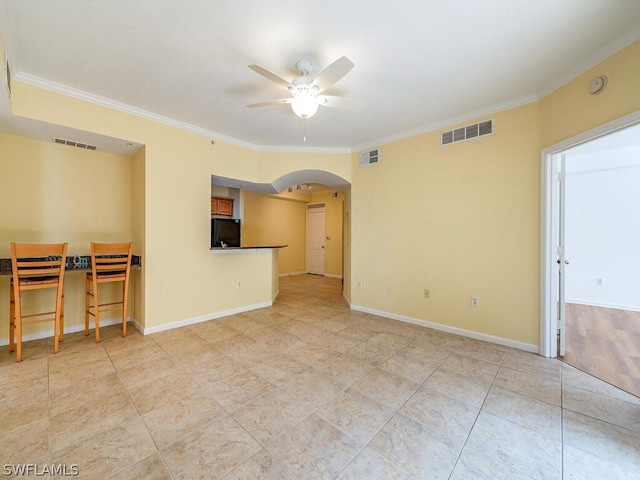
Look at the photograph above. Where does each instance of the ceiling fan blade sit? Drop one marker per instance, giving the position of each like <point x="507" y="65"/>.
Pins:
<point x="269" y="103"/>
<point x="333" y="73"/>
<point x="270" y="75"/>
<point x="340" y="102"/>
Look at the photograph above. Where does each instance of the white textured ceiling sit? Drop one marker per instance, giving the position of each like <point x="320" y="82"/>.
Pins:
<point x="418" y="64"/>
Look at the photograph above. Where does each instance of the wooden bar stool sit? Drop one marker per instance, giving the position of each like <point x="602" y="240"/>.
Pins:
<point x="36" y="267"/>
<point x="110" y="262"/>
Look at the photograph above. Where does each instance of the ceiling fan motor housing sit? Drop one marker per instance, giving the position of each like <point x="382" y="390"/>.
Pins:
<point x="303" y="66"/>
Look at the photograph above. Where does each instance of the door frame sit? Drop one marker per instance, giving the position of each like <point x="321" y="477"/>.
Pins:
<point x="549" y="208"/>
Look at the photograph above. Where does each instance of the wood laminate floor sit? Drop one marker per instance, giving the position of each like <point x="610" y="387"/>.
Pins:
<point x="605" y="343"/>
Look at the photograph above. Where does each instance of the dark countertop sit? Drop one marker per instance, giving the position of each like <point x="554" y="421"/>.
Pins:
<point x="75" y="263"/>
<point x="219" y="249"/>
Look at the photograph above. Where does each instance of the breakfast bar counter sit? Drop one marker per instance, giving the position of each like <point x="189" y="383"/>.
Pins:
<point x="243" y="249"/>
<point x="74" y="263"/>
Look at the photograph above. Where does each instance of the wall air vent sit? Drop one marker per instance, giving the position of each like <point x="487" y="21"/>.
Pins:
<point x="370" y="157"/>
<point x="312" y="206"/>
<point x="467" y="132"/>
<point x="71" y="143"/>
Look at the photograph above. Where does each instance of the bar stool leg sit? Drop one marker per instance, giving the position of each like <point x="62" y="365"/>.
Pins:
<point x="125" y="295"/>
<point x="18" y="322"/>
<point x="12" y="319"/>
<point x="87" y="304"/>
<point x="96" y="311"/>
<point x="61" y="331"/>
<point x="58" y="319"/>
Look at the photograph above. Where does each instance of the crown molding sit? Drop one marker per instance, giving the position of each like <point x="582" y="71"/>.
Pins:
<point x="285" y="149"/>
<point x="128" y="109"/>
<point x="598" y="57"/>
<point x="447" y="122"/>
<point x="138" y="112"/>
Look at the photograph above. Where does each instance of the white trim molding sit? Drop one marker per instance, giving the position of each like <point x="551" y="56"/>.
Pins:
<point x="454" y="330"/>
<point x="591" y="303"/>
<point x="204" y="318"/>
<point x="71" y="329"/>
<point x="291" y="274"/>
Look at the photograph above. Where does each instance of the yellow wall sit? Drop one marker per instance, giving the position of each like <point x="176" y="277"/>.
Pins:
<point x="274" y="220"/>
<point x="53" y="194"/>
<point x="571" y="109"/>
<point x="182" y="279"/>
<point x="138" y="215"/>
<point x="281" y="220"/>
<point x="346" y="240"/>
<point x="461" y="220"/>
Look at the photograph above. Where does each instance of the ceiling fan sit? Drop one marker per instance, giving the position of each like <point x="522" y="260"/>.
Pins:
<point x="306" y="92"/>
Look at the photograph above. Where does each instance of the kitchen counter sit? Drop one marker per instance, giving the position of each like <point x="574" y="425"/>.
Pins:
<point x="241" y="249"/>
<point x="75" y="263"/>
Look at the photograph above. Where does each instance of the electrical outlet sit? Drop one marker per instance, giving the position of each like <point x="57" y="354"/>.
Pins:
<point x="389" y="289"/>
<point x="238" y="284"/>
<point x="426" y="293"/>
<point x="359" y="283"/>
<point x="475" y="301"/>
<point x="599" y="282"/>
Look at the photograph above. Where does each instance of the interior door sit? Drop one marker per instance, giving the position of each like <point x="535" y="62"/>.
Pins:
<point x="315" y="240"/>
<point x="562" y="260"/>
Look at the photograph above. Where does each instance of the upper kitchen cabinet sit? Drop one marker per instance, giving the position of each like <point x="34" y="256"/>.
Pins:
<point x="221" y="206"/>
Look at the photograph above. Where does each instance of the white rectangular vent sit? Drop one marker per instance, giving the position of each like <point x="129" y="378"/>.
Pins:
<point x="311" y="206"/>
<point x="71" y="143"/>
<point x="370" y="157"/>
<point x="467" y="132"/>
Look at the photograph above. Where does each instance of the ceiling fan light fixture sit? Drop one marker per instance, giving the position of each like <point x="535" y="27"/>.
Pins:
<point x="304" y="106"/>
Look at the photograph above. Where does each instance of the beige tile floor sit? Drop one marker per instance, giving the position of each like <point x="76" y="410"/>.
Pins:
<point x="308" y="389"/>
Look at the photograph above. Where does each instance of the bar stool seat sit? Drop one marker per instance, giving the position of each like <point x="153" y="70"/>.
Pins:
<point x="36" y="267"/>
<point x="110" y="262"/>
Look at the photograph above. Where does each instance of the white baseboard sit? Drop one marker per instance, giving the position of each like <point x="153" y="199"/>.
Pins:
<point x="445" y="328"/>
<point x="630" y="308"/>
<point x="72" y="329"/>
<point x="291" y="274"/>
<point x="346" y="299"/>
<point x="204" y="318"/>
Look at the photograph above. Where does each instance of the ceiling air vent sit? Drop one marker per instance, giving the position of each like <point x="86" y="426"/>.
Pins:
<point x="467" y="132"/>
<point x="71" y="143"/>
<point x="370" y="157"/>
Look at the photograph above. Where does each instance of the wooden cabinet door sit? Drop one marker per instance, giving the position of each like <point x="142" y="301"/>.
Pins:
<point x="225" y="206"/>
<point x="221" y="206"/>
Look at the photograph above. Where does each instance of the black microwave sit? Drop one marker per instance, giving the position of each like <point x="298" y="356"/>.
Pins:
<point x="225" y="231"/>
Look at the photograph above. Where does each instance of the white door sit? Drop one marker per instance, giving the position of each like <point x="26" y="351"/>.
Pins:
<point x="562" y="260"/>
<point x="315" y="240"/>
